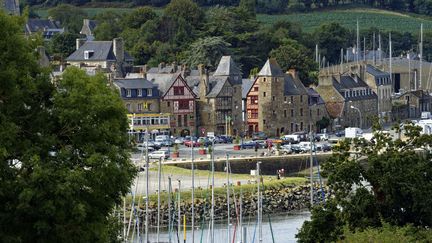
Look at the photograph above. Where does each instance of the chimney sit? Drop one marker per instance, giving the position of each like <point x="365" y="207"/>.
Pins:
<point x="161" y="66"/>
<point x="293" y="73"/>
<point x="174" y="65"/>
<point x="86" y="22"/>
<point x="118" y="49"/>
<point x="204" y="79"/>
<point x="80" y="42"/>
<point x="325" y="79"/>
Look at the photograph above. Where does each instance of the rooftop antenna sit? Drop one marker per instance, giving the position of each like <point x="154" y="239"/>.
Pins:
<point x="374" y="52"/>
<point x="358" y="43"/>
<point x="421" y="54"/>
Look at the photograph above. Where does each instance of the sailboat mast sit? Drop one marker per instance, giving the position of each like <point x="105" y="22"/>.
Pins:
<point x="193" y="192"/>
<point x="147" y="188"/>
<point x="179" y="209"/>
<point x="358" y="44"/>
<point x="379" y="48"/>
<point x="316" y="53"/>
<point x="311" y="169"/>
<point x="169" y="209"/>
<point x="421" y="55"/>
<point x="212" y="194"/>
<point x="364" y="48"/>
<point x="228" y="201"/>
<point x="159" y="199"/>
<point x="341" y="60"/>
<point x="390" y="61"/>
<point x="374" y="51"/>
<point x="241" y="212"/>
<point x="259" y="203"/>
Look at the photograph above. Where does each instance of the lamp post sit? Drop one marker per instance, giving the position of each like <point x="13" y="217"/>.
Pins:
<point x="360" y="115"/>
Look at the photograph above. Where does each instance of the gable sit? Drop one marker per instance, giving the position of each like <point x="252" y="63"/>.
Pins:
<point x="179" y="89"/>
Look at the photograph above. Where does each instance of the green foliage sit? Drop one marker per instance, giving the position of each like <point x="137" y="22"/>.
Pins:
<point x="207" y="51"/>
<point x="185" y="9"/>
<point x="62" y="45"/>
<point x="109" y="26"/>
<point x="388" y="181"/>
<point x="70" y="16"/>
<point x="291" y="54"/>
<point x="139" y="17"/>
<point x="323" y="123"/>
<point x="64" y="150"/>
<point x="331" y="38"/>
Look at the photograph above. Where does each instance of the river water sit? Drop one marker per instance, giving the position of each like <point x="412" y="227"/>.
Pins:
<point x="284" y="227"/>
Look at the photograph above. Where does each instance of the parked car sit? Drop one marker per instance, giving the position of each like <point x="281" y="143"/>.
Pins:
<point x="323" y="136"/>
<point x="226" y="139"/>
<point x="191" y="141"/>
<point x="284" y="149"/>
<point x="163" y="140"/>
<point x="340" y="133"/>
<point x="259" y="136"/>
<point x="179" y="140"/>
<point x="249" y="144"/>
<point x="204" y="141"/>
<point x="142" y="147"/>
<point x="262" y="143"/>
<point x="324" y="147"/>
<point x="159" y="154"/>
<point x="295" y="148"/>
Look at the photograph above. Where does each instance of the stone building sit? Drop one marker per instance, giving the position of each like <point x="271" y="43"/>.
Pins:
<point x="88" y="29"/>
<point x="46" y="27"/>
<point x="105" y="56"/>
<point x="142" y="100"/>
<point x="219" y="104"/>
<point x="317" y="111"/>
<point x="350" y="102"/>
<point x="411" y="104"/>
<point x="277" y="102"/>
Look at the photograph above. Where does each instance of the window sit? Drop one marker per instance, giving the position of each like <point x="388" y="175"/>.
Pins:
<point x="264" y="94"/>
<point x="292" y="99"/>
<point x="185" y="120"/>
<point x="168" y="104"/>
<point x="183" y="104"/>
<point x="264" y="79"/>
<point x="140" y="107"/>
<point x="139" y="92"/>
<point x="292" y="112"/>
<point x="285" y="98"/>
<point x="255" y="88"/>
<point x="301" y="98"/>
<point x="292" y="127"/>
<point x="285" y="113"/>
<point x="301" y="111"/>
<point x="301" y="126"/>
<point x="128" y="93"/>
<point x="149" y="92"/>
<point x="264" y="121"/>
<point x="254" y="99"/>
<point x="179" y="120"/>
<point x="88" y="54"/>
<point x="128" y="107"/>
<point x="273" y="98"/>
<point x="178" y="90"/>
<point x="274" y="112"/>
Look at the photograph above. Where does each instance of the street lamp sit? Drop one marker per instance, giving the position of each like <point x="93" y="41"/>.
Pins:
<point x="355" y="108"/>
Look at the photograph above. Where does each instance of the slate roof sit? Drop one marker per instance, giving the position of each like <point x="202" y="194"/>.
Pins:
<point x="103" y="51"/>
<point x="293" y="86"/>
<point x="35" y="25"/>
<point x="313" y="93"/>
<point x="347" y="82"/>
<point x="216" y="85"/>
<point x="246" y="86"/>
<point x="227" y="67"/>
<point x="164" y="82"/>
<point x="376" y="72"/>
<point x="271" y="68"/>
<point x="11" y="6"/>
<point x="134" y="83"/>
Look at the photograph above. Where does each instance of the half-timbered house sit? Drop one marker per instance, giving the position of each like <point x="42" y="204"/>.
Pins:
<point x="178" y="99"/>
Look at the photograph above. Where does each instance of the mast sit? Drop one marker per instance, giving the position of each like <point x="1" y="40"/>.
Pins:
<point x="228" y="201"/>
<point x="259" y="203"/>
<point x="374" y="51"/>
<point x="341" y="60"/>
<point x="421" y="55"/>
<point x="241" y="212"/>
<point x="193" y="192"/>
<point x="379" y="48"/>
<point x="212" y="194"/>
<point x="147" y="188"/>
<point x="390" y="62"/>
<point x="358" y="44"/>
<point x="169" y="209"/>
<point x="179" y="210"/>
<point x="159" y="199"/>
<point x="364" y="48"/>
<point x="311" y="168"/>
<point x="316" y="53"/>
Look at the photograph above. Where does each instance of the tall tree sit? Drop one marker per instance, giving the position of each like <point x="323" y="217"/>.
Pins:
<point x="63" y="150"/>
<point x="70" y="16"/>
<point x="207" y="51"/>
<point x="331" y="38"/>
<point x="389" y="180"/>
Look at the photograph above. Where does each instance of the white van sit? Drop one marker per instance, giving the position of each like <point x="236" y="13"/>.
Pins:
<point x="163" y="140"/>
<point x="159" y="154"/>
<point x="292" y="137"/>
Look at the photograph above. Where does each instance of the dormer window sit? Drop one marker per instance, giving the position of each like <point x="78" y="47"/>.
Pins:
<point x="139" y="92"/>
<point x="128" y="93"/>
<point x="149" y="92"/>
<point x="88" y="54"/>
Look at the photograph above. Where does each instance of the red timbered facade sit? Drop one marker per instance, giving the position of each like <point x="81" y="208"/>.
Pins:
<point x="179" y="100"/>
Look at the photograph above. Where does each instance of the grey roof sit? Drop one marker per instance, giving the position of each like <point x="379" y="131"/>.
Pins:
<point x="216" y="85"/>
<point x="164" y="81"/>
<point x="11" y="6"/>
<point x="271" y="68"/>
<point x="227" y="67"/>
<point x="35" y="25"/>
<point x="103" y="51"/>
<point x="376" y="72"/>
<point x="134" y="83"/>
<point x="313" y="93"/>
<point x="246" y="86"/>
<point x="293" y="86"/>
<point x="348" y="82"/>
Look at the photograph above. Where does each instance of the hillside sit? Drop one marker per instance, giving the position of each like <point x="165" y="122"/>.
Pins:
<point x="367" y="17"/>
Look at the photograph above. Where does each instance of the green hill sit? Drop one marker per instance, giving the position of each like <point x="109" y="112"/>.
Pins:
<point x="382" y="19"/>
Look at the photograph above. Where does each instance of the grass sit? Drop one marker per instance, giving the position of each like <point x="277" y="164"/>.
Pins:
<point x="221" y="192"/>
<point x="174" y="170"/>
<point x="367" y="17"/>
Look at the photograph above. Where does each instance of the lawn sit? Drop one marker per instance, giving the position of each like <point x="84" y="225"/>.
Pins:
<point x="174" y="170"/>
<point x="382" y="19"/>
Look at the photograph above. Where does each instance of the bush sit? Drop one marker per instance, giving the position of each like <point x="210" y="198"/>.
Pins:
<point x="297" y="7"/>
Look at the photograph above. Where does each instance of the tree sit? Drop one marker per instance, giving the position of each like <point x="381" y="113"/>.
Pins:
<point x="64" y="149"/>
<point x="139" y="17"/>
<point x="388" y="181"/>
<point x="70" y="16"/>
<point x="207" y="51"/>
<point x="109" y="26"/>
<point x="291" y="54"/>
<point x="331" y="38"/>
<point x="249" y="6"/>
<point x="62" y="45"/>
<point x="185" y="9"/>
